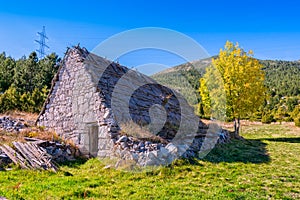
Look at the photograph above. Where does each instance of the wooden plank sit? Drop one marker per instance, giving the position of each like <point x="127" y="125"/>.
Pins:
<point x="14" y="156"/>
<point x="33" y="155"/>
<point x="17" y="155"/>
<point x="43" y="158"/>
<point x="39" y="159"/>
<point x="27" y="155"/>
<point x="46" y="157"/>
<point x="9" y="153"/>
<point x="36" y="141"/>
<point x="39" y="153"/>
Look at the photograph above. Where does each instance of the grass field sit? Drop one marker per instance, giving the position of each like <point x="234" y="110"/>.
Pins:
<point x="264" y="166"/>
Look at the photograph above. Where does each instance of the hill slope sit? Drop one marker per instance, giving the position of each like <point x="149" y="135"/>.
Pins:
<point x="184" y="78"/>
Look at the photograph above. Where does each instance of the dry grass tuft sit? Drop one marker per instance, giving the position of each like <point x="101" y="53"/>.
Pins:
<point x="9" y="137"/>
<point x="31" y="131"/>
<point x="18" y="114"/>
<point x="140" y="132"/>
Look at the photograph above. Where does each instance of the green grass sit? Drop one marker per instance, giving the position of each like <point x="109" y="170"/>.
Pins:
<point x="264" y="166"/>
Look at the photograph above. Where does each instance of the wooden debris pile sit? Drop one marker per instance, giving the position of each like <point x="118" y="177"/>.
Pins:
<point x="29" y="156"/>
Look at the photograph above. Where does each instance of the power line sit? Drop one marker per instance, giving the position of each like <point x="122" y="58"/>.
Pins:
<point x="42" y="43"/>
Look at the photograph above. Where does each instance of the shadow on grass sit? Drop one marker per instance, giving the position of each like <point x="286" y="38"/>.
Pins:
<point x="288" y="140"/>
<point x="73" y="164"/>
<point x="245" y="151"/>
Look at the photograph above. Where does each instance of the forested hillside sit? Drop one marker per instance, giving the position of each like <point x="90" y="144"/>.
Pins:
<point x="282" y="80"/>
<point x="184" y="78"/>
<point x="24" y="83"/>
<point x="282" y="77"/>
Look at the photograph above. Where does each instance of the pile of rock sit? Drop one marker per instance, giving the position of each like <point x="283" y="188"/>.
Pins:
<point x="60" y="153"/>
<point x="147" y="153"/>
<point x="137" y="145"/>
<point x="10" y="124"/>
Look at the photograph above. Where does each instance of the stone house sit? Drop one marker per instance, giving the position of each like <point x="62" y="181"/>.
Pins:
<point x="91" y="97"/>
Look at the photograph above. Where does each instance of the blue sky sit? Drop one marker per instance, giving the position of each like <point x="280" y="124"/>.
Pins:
<point x="271" y="29"/>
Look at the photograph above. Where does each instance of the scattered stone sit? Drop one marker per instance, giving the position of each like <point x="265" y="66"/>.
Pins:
<point x="60" y="153"/>
<point x="107" y="167"/>
<point x="146" y="153"/>
<point x="122" y="139"/>
<point x="10" y="124"/>
<point x="123" y="145"/>
<point x="163" y="152"/>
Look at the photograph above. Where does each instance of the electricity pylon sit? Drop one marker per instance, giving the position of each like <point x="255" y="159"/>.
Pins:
<point x="42" y="43"/>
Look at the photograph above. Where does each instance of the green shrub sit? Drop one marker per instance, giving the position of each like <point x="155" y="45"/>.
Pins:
<point x="295" y="112"/>
<point x="267" y="119"/>
<point x="256" y="116"/>
<point x="11" y="99"/>
<point x="297" y="121"/>
<point x="288" y="119"/>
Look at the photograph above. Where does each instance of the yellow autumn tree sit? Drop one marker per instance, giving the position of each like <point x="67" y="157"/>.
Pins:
<point x="242" y="80"/>
<point x="213" y="97"/>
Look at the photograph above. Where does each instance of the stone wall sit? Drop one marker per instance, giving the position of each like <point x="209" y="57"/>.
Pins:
<point x="74" y="103"/>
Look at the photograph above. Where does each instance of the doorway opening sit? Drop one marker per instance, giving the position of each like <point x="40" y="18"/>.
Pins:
<point x="93" y="130"/>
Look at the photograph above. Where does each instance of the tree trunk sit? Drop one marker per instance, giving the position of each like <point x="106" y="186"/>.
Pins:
<point x="237" y="125"/>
